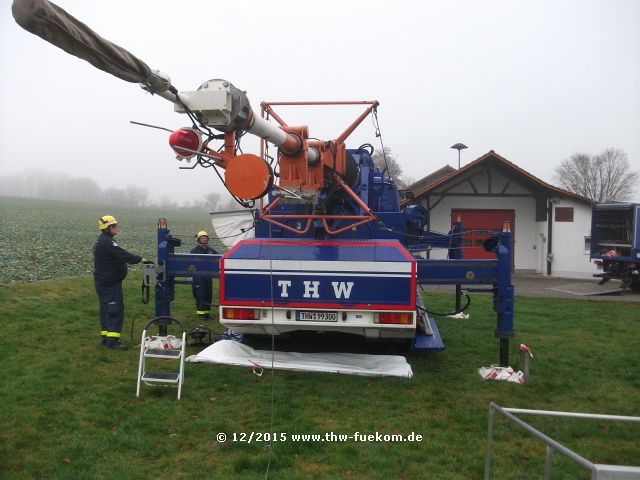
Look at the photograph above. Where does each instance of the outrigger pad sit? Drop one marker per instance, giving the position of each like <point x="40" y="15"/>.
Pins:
<point x="429" y="343"/>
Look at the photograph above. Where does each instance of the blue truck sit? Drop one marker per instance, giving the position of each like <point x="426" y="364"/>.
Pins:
<point x="615" y="242"/>
<point x="333" y="250"/>
<point x="315" y="266"/>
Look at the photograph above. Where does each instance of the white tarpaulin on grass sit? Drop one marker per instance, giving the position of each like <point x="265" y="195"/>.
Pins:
<point x="229" y="352"/>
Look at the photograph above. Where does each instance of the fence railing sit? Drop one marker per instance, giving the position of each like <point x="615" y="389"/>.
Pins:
<point x="599" y="471"/>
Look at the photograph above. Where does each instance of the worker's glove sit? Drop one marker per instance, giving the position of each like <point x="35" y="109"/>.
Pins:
<point x="147" y="262"/>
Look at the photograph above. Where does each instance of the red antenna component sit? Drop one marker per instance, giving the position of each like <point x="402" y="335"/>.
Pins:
<point x="185" y="138"/>
<point x="247" y="176"/>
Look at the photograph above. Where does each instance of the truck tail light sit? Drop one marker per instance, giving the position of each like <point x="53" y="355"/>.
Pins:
<point x="241" y="313"/>
<point x="405" y="318"/>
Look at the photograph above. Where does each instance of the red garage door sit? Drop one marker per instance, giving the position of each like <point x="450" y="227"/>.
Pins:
<point x="477" y="225"/>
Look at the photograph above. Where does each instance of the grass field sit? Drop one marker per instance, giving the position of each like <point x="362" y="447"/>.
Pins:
<point x="70" y="411"/>
<point x="45" y="239"/>
<point x="69" y="407"/>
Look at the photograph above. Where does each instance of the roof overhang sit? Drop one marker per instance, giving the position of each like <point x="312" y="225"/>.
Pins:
<point x="491" y="159"/>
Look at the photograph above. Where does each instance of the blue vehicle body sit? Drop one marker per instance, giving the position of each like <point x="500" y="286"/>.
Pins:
<point x="364" y="280"/>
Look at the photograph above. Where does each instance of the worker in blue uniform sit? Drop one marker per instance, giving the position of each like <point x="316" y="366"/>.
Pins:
<point x="110" y="262"/>
<point x="202" y="287"/>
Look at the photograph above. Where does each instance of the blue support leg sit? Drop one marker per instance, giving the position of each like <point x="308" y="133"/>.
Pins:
<point x="503" y="296"/>
<point x="165" y="287"/>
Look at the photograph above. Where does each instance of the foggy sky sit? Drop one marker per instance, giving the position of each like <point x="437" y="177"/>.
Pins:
<point x="533" y="80"/>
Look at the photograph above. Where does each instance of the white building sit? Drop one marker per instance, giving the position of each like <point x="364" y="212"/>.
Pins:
<point x="551" y="226"/>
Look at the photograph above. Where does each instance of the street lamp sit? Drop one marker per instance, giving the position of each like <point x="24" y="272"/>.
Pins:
<point x="459" y="146"/>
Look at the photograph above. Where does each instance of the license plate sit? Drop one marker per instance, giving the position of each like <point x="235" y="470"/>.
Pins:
<point x="318" y="316"/>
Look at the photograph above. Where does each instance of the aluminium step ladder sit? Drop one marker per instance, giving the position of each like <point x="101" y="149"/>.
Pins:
<point x="168" y="354"/>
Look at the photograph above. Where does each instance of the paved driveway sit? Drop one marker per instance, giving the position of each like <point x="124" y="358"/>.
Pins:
<point x="532" y="285"/>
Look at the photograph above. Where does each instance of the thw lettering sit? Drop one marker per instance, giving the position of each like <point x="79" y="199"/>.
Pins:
<point x="312" y="289"/>
<point x="342" y="288"/>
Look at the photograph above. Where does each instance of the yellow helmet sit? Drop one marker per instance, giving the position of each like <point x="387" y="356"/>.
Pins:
<point x="202" y="233"/>
<point x="106" y="221"/>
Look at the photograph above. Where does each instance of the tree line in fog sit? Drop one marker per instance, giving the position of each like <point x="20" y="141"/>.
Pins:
<point x="59" y="186"/>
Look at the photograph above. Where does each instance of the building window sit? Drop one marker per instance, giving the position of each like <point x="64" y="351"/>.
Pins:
<point x="587" y="244"/>
<point x="564" y="214"/>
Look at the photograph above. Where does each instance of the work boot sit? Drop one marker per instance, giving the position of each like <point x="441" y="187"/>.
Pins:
<point x="116" y="346"/>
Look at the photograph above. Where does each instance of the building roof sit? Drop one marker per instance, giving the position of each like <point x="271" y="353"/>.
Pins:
<point x="424" y="187"/>
<point x="431" y="178"/>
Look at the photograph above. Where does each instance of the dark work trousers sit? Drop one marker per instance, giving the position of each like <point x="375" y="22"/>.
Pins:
<point x="111" y="312"/>
<point x="202" y="292"/>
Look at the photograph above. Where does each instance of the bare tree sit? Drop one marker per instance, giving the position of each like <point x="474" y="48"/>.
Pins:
<point x="604" y="177"/>
<point x="81" y="189"/>
<point x="389" y="162"/>
<point x="113" y="196"/>
<point x="135" y="196"/>
<point x="167" y="202"/>
<point x="212" y="201"/>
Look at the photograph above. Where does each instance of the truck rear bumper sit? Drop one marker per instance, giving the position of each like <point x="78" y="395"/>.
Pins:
<point x="278" y="321"/>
